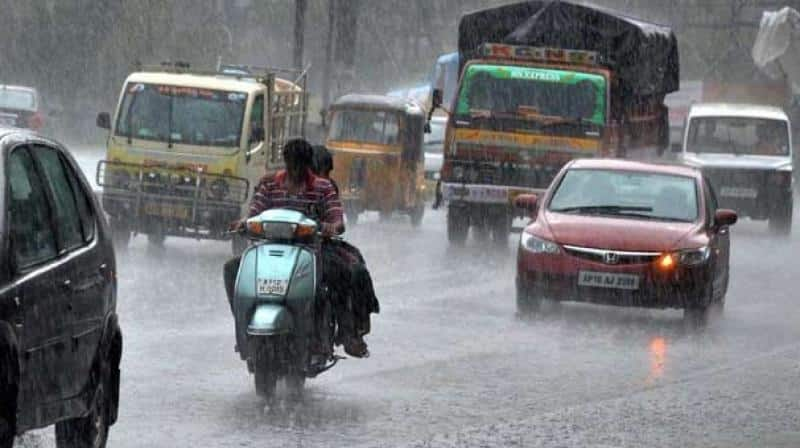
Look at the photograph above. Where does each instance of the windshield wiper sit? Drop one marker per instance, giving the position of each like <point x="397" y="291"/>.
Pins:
<point x="604" y="209"/>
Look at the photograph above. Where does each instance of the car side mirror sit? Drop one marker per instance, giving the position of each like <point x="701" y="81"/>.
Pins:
<point x="526" y="203"/>
<point x="724" y="217"/>
<point x="103" y="120"/>
<point x="676" y="147"/>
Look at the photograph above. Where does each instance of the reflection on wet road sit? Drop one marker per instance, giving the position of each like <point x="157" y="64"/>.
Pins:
<point x="451" y="365"/>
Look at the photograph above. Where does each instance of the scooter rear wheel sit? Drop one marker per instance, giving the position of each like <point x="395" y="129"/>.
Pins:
<point x="264" y="372"/>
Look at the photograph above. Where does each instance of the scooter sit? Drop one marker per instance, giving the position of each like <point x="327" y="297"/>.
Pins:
<point x="284" y="319"/>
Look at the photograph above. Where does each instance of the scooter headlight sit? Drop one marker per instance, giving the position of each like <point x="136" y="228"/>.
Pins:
<point x="538" y="245"/>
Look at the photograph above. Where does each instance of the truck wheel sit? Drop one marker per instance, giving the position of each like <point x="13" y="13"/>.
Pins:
<point x="417" y="213"/>
<point x="780" y="220"/>
<point x="500" y="226"/>
<point x="90" y="431"/>
<point x="266" y="376"/>
<point x="457" y="226"/>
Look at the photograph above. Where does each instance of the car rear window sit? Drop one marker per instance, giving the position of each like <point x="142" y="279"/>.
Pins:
<point x="638" y="195"/>
<point x="17" y="99"/>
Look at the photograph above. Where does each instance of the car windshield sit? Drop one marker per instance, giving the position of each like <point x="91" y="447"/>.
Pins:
<point x="365" y="126"/>
<point x="532" y="94"/>
<point x="630" y="194"/>
<point x="734" y="135"/>
<point x="183" y="115"/>
<point x="17" y="99"/>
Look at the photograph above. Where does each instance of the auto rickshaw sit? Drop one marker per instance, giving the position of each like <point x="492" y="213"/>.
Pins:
<point x="376" y="143"/>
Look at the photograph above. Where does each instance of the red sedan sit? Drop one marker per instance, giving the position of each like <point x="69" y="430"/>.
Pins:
<point x="625" y="233"/>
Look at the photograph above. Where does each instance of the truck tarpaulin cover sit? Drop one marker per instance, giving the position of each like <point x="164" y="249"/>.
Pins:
<point x="775" y="51"/>
<point x="643" y="55"/>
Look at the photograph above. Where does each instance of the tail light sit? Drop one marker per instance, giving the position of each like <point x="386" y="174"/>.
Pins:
<point x="35" y="121"/>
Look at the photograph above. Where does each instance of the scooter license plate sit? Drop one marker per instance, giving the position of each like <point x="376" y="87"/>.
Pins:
<point x="272" y="287"/>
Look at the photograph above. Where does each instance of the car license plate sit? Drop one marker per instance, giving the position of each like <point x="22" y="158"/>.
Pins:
<point x="272" y="287"/>
<point x="608" y="280"/>
<point x="739" y="192"/>
<point x="166" y="210"/>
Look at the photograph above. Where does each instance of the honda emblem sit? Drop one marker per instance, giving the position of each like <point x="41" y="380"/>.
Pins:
<point x="611" y="258"/>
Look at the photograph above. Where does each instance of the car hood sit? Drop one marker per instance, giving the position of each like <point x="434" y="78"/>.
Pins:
<point x="737" y="161"/>
<point x="617" y="233"/>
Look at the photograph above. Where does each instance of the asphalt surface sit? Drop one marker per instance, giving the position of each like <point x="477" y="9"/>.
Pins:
<point x="452" y="366"/>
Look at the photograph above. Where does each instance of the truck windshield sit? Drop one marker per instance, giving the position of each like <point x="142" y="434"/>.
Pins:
<point x="365" y="126"/>
<point x="185" y="115"/>
<point x="735" y="135"/>
<point x="535" y="94"/>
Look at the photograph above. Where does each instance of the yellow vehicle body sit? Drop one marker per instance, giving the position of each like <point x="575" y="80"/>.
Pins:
<point x="376" y="143"/>
<point x="185" y="149"/>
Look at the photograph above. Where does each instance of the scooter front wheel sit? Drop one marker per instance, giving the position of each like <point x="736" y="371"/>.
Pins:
<point x="266" y="376"/>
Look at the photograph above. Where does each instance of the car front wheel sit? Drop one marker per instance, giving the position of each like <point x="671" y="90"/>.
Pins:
<point x="8" y="394"/>
<point x="528" y="303"/>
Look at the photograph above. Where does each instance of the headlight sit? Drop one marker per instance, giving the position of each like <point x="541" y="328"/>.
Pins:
<point x="688" y="257"/>
<point x="538" y="245"/>
<point x="692" y="257"/>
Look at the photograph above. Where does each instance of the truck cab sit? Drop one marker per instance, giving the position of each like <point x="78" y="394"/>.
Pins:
<point x="746" y="152"/>
<point x="185" y="148"/>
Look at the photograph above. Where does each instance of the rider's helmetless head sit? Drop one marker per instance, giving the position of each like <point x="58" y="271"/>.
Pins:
<point x="298" y="155"/>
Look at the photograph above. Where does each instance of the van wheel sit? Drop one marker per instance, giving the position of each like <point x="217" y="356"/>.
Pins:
<point x="457" y="226"/>
<point x="90" y="431"/>
<point x="780" y="220"/>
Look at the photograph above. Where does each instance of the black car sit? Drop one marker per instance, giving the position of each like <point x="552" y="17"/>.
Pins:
<point x="60" y="341"/>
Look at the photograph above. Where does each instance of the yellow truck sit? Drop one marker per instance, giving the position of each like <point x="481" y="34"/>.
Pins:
<point x="185" y="147"/>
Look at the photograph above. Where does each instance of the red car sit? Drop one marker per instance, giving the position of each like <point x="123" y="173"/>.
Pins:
<point x="625" y="233"/>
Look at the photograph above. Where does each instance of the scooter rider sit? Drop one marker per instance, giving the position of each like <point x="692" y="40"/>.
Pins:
<point x="294" y="188"/>
<point x="364" y="300"/>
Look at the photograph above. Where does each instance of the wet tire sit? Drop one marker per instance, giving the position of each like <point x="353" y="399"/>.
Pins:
<point x="698" y="315"/>
<point x="264" y="373"/>
<point x="90" y="431"/>
<point x="528" y="303"/>
<point x="500" y="226"/>
<point x="780" y="221"/>
<point x="457" y="226"/>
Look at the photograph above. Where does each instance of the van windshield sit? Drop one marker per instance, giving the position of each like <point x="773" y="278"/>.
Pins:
<point x="735" y="135"/>
<point x="184" y="115"/>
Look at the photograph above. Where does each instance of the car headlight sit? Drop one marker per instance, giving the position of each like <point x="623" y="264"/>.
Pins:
<point x="538" y="245"/>
<point x="688" y="257"/>
<point x="693" y="257"/>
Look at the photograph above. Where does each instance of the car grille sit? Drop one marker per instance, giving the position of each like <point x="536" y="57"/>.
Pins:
<point x="611" y="257"/>
<point x="730" y="177"/>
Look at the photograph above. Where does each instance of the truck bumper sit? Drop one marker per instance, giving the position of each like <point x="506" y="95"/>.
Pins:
<point x="482" y="194"/>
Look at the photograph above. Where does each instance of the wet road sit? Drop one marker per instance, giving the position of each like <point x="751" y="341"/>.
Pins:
<point x="452" y="366"/>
